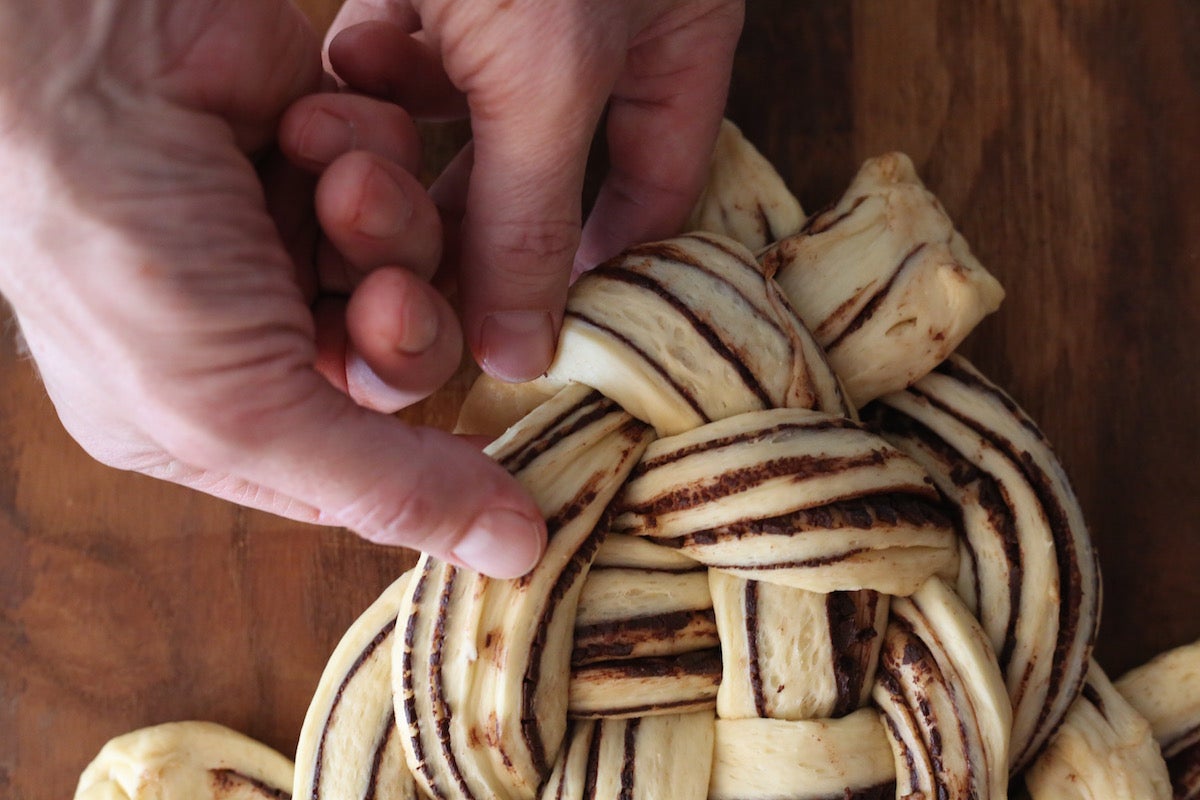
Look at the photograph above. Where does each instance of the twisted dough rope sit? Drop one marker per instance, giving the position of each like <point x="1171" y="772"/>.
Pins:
<point x="808" y="521"/>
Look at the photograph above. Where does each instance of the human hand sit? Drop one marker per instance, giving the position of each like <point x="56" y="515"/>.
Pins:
<point x="535" y="77"/>
<point x="168" y="289"/>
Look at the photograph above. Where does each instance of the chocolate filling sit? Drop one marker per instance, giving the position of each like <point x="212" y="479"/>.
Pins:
<point x="852" y="640"/>
<point x="384" y="635"/>
<point x="872" y="305"/>
<point x="228" y="780"/>
<point x="559" y="428"/>
<point x="604" y="641"/>
<point x="817" y="423"/>
<point x="722" y="348"/>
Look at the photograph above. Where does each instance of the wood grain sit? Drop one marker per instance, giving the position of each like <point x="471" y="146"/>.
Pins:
<point x="1060" y="135"/>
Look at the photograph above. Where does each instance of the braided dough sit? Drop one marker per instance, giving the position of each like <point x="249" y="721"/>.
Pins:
<point x="187" y="761"/>
<point x="772" y="575"/>
<point x="798" y="548"/>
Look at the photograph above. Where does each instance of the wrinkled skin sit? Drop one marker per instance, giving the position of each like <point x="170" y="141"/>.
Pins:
<point x="223" y="277"/>
<point x="536" y="76"/>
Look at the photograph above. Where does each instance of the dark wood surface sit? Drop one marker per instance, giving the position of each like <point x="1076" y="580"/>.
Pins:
<point x="1063" y="137"/>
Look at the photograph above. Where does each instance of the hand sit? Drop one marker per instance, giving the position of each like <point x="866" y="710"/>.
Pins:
<point x="168" y="286"/>
<point x="535" y="77"/>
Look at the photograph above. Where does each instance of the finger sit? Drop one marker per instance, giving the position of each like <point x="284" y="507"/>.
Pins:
<point x="522" y="221"/>
<point x="397" y="12"/>
<point x="404" y="339"/>
<point x="233" y="489"/>
<point x="383" y="60"/>
<point x="319" y="128"/>
<point x="374" y="213"/>
<point x="288" y="192"/>
<point x="390" y="483"/>
<point x="449" y="194"/>
<point x="662" y="124"/>
<point x="329" y="321"/>
<point x="395" y="343"/>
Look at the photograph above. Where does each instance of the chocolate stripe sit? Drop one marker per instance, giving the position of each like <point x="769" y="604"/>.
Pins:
<point x="437" y="693"/>
<point x="530" y="728"/>
<point x="896" y="695"/>
<point x="700" y="664"/>
<point x="629" y="766"/>
<point x="750" y="601"/>
<point x="703" y="667"/>
<point x="701" y="326"/>
<point x="810" y="563"/>
<point x="1071" y="589"/>
<point x="819" y="223"/>
<point x="1186" y="739"/>
<point x="409" y="669"/>
<point x="557" y="430"/>
<point x="1090" y="693"/>
<point x="656" y="366"/>
<point x="835" y="317"/>
<point x="851" y="617"/>
<point x="592" y="771"/>
<point x="912" y="650"/>
<point x="991" y="498"/>
<point x="648" y="709"/>
<point x="952" y="368"/>
<point x="882" y="791"/>
<point x="818" y="423"/>
<point x="389" y="730"/>
<point x="719" y="244"/>
<point x="960" y="717"/>
<point x="872" y="305"/>
<point x="868" y="512"/>
<point x="741" y="479"/>
<point x="225" y="780"/>
<point x="367" y="652"/>
<point x="668" y="251"/>
<point x="616" y="639"/>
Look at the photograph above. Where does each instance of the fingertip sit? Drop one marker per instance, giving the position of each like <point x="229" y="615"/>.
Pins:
<point x="366" y="388"/>
<point x="313" y="135"/>
<point x="516" y="346"/>
<point x="383" y="59"/>
<point x="356" y="12"/>
<point x="502" y="543"/>
<point x="377" y="213"/>
<point x="404" y="341"/>
<point x="319" y="128"/>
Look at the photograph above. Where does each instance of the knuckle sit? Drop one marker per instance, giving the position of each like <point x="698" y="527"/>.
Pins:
<point x="537" y="248"/>
<point x="394" y="515"/>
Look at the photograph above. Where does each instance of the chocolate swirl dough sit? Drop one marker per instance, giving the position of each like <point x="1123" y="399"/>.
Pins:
<point x="186" y="761"/>
<point x="1103" y="749"/>
<point x="1023" y="537"/>
<point x="1166" y="692"/>
<point x="748" y="592"/>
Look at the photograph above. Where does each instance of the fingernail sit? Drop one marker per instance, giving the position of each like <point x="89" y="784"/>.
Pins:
<point x="325" y="137"/>
<point x="367" y="388"/>
<point x="501" y="543"/>
<point x="419" y="326"/>
<point x="383" y="210"/>
<point x="516" y="346"/>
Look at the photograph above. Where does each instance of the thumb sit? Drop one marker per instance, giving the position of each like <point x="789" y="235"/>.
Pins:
<point x="389" y="482"/>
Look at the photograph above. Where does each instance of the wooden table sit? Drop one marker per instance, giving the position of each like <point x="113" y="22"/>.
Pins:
<point x="1063" y="137"/>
